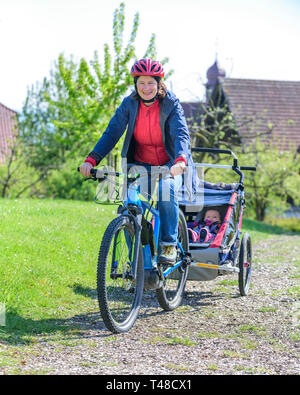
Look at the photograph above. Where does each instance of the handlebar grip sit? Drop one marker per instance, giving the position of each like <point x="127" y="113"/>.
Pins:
<point x="251" y="168"/>
<point x="92" y="171"/>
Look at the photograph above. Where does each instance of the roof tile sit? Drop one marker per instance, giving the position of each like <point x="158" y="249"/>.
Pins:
<point x="276" y="102"/>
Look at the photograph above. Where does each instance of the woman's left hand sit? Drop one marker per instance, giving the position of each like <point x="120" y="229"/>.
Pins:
<point x="177" y="169"/>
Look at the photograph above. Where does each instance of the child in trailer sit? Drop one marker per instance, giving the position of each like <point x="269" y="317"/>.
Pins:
<point x="205" y="231"/>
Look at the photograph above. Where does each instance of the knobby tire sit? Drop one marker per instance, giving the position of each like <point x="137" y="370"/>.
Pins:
<point x="119" y="298"/>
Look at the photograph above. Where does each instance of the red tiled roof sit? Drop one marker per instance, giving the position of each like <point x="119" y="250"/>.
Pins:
<point x="7" y="129"/>
<point x="274" y="102"/>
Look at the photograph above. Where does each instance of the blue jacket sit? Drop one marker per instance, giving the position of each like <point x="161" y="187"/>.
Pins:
<point x="173" y="125"/>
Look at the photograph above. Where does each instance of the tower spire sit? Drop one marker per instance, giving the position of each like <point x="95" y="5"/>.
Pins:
<point x="213" y="74"/>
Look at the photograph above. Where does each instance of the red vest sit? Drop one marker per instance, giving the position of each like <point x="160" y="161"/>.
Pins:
<point x="148" y="136"/>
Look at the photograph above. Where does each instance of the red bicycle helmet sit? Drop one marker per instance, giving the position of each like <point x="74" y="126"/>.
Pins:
<point x="149" y="67"/>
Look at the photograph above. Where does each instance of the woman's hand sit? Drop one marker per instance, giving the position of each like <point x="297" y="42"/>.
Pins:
<point x="177" y="169"/>
<point x="85" y="169"/>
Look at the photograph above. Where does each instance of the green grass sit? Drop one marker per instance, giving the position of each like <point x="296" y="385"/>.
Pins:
<point x="48" y="261"/>
<point x="290" y="224"/>
<point x="260" y="230"/>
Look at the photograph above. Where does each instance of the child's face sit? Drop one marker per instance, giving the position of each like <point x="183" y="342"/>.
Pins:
<point x="212" y="215"/>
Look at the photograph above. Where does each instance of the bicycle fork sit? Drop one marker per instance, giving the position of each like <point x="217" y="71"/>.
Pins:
<point x="133" y="245"/>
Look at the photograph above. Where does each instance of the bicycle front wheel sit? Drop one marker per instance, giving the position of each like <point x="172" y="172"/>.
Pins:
<point x="171" y="293"/>
<point x="119" y="292"/>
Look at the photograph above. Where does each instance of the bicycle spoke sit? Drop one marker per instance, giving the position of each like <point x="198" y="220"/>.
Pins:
<point x="119" y="292"/>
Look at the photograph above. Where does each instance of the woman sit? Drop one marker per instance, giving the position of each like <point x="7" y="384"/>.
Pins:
<point x="157" y="135"/>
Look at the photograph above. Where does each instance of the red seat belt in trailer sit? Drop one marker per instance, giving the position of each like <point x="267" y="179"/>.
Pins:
<point x="218" y="239"/>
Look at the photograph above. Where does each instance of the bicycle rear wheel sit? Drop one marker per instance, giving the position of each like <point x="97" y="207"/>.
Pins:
<point x="119" y="293"/>
<point x="171" y="293"/>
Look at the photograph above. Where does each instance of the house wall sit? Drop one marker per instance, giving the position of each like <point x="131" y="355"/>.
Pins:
<point x="8" y="126"/>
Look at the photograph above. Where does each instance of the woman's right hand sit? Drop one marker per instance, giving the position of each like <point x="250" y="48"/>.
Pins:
<point x="85" y="169"/>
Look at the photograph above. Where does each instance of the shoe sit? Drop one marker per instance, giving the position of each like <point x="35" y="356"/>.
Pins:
<point x="202" y="235"/>
<point x="168" y="254"/>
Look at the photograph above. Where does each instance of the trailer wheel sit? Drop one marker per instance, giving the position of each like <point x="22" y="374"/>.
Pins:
<point x="245" y="264"/>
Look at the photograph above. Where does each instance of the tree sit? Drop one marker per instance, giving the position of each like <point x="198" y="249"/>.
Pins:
<point x="64" y="115"/>
<point x="217" y="128"/>
<point x="277" y="177"/>
<point x="16" y="178"/>
<point x="213" y="125"/>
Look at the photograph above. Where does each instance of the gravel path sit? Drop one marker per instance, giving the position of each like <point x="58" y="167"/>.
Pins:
<point x="214" y="331"/>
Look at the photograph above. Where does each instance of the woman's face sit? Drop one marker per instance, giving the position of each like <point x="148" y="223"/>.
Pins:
<point x="146" y="87"/>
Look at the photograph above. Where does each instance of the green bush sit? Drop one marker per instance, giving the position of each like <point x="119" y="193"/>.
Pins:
<point x="67" y="183"/>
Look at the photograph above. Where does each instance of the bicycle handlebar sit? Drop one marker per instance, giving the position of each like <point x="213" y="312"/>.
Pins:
<point x="250" y="168"/>
<point x="223" y="151"/>
<point x="101" y="173"/>
<point x="213" y="151"/>
<point x="98" y="173"/>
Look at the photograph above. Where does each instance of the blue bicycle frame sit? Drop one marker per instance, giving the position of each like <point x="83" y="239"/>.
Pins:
<point x="150" y="262"/>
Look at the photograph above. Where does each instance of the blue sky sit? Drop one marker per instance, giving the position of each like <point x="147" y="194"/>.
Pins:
<point x="253" y="38"/>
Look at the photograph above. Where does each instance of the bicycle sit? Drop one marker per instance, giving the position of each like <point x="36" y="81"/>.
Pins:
<point x="128" y="259"/>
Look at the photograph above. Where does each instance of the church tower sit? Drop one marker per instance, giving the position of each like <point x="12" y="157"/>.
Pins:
<point x="213" y="74"/>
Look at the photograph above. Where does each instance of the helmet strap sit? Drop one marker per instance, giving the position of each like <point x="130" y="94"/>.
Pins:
<point x="148" y="101"/>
